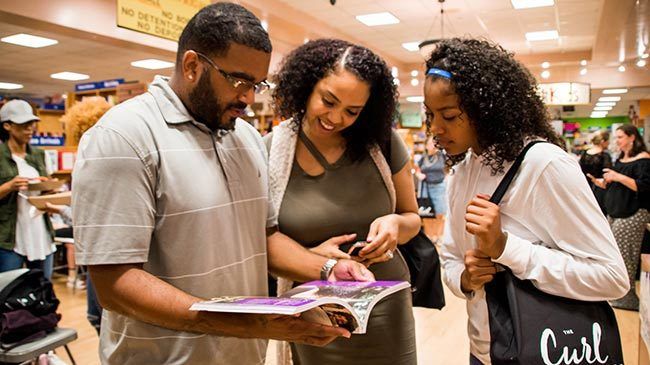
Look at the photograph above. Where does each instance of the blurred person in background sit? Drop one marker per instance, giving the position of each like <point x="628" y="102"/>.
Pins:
<point x="24" y="238"/>
<point x="592" y="162"/>
<point x="431" y="171"/>
<point x="78" y="119"/>
<point x="627" y="202"/>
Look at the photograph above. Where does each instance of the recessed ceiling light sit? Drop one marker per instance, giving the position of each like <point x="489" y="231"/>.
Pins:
<point x="414" y="73"/>
<point x="70" y="76"/>
<point x="614" y="91"/>
<point x="265" y="25"/>
<point x="544" y="35"/>
<point x="376" y="19"/>
<point x="394" y="71"/>
<point x="640" y="63"/>
<point x="415" y="99"/>
<point x="609" y="98"/>
<point x="583" y="63"/>
<point x="527" y="4"/>
<point x="605" y="103"/>
<point x="621" y="68"/>
<point x="28" y="40"/>
<point x="598" y="114"/>
<point x="152" y="64"/>
<point x="546" y="64"/>
<point x="396" y="81"/>
<point x="411" y="46"/>
<point x="645" y="55"/>
<point x="602" y="108"/>
<point x="10" y="86"/>
<point x="546" y="74"/>
<point x="415" y="82"/>
<point x="583" y="71"/>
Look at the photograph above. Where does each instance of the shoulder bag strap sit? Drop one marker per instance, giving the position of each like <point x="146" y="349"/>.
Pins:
<point x="510" y="175"/>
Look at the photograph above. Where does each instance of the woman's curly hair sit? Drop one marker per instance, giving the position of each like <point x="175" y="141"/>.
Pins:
<point x="305" y="66"/>
<point x="83" y="115"/>
<point x="497" y="93"/>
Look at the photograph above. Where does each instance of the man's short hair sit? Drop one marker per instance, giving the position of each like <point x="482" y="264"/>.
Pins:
<point x="215" y="26"/>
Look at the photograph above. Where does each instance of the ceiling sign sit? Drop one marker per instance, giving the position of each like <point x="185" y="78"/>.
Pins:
<point x="161" y="18"/>
<point x="565" y="93"/>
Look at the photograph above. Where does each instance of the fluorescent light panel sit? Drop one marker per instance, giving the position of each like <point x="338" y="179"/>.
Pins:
<point x="70" y="76"/>
<point x="28" y="40"/>
<point x="411" y="46"/>
<point x="598" y="114"/>
<point x="10" y="86"/>
<point x="614" y="91"/>
<point x="544" y="35"/>
<point x="415" y="99"/>
<point x="602" y="108"/>
<point x="376" y="19"/>
<point x="152" y="64"/>
<point x="605" y="103"/>
<point x="527" y="4"/>
<point x="609" y="98"/>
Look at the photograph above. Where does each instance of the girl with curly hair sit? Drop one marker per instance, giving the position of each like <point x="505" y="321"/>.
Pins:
<point x="482" y="107"/>
<point x="338" y="174"/>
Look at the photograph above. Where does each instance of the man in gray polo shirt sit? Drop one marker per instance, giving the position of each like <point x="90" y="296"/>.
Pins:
<point x="171" y="206"/>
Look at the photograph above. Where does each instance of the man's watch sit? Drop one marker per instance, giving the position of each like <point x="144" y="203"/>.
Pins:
<point x="326" y="270"/>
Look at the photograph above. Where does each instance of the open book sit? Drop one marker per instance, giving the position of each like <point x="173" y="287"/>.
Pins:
<point x="344" y="304"/>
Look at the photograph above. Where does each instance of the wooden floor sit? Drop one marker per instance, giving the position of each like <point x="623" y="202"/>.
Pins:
<point x="437" y="332"/>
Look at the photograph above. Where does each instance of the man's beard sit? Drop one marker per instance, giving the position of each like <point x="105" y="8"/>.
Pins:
<point x="206" y="107"/>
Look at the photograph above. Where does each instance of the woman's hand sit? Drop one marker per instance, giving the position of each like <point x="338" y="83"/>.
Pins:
<point x="382" y="240"/>
<point x="18" y="183"/>
<point x="330" y="248"/>
<point x="610" y="175"/>
<point x="483" y="220"/>
<point x="598" y="182"/>
<point x="479" y="270"/>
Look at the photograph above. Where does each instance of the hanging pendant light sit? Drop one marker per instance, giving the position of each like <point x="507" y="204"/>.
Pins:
<point x="427" y="46"/>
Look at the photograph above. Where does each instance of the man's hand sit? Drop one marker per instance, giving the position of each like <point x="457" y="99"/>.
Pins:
<point x="349" y="270"/>
<point x="330" y="248"/>
<point x="288" y="328"/>
<point x="479" y="269"/>
<point x="483" y="220"/>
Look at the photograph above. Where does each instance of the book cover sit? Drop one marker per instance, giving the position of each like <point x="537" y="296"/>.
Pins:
<point x="346" y="304"/>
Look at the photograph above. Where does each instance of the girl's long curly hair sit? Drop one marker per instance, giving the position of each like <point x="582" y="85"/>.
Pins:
<point x="499" y="96"/>
<point x="305" y="66"/>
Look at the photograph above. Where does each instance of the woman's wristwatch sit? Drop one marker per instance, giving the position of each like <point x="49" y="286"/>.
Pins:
<point x="326" y="270"/>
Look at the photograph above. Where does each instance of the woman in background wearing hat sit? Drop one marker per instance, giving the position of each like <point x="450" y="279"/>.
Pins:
<point x="23" y="238"/>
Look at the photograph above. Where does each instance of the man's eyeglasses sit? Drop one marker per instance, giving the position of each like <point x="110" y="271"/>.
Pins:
<point x="239" y="84"/>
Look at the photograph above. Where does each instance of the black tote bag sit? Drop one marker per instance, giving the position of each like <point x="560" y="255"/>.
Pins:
<point x="530" y="327"/>
<point x="423" y="262"/>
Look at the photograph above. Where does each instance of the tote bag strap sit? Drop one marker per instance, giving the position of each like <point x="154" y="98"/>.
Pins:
<point x="510" y="175"/>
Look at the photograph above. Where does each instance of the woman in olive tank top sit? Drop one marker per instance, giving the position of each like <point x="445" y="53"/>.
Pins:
<point x="341" y="100"/>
